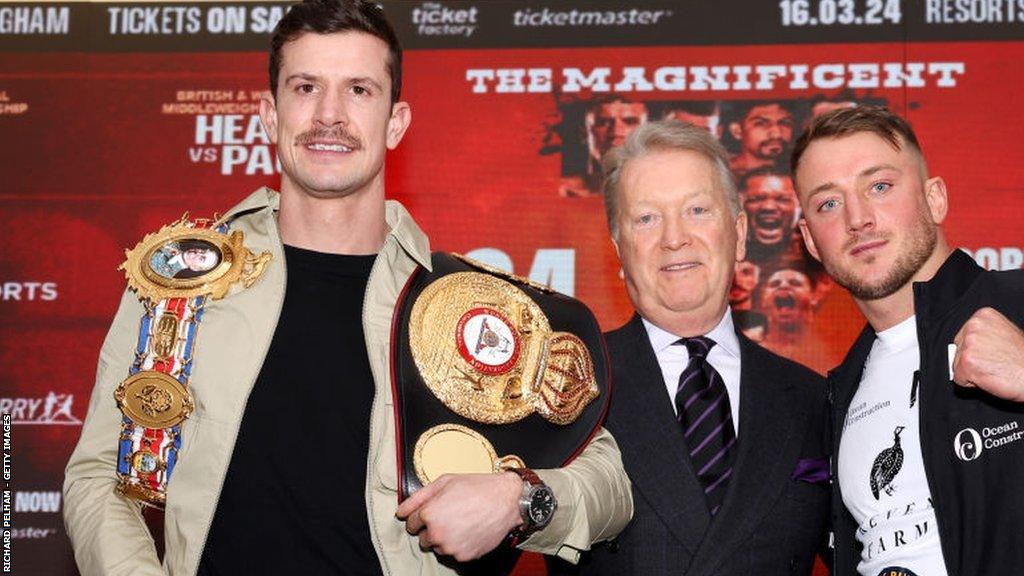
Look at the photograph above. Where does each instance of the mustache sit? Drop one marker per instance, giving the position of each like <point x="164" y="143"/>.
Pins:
<point x="336" y="134"/>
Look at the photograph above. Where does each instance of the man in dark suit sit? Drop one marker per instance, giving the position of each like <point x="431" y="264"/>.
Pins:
<point x="724" y="441"/>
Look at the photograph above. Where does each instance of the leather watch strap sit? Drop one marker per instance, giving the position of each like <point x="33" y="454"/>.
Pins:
<point x="527" y="475"/>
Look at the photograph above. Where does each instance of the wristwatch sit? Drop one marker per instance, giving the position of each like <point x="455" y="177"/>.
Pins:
<point x="537" y="505"/>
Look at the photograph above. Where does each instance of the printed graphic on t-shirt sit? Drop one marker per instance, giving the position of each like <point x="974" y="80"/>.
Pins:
<point x="887" y="465"/>
<point x="908" y="526"/>
<point x="860" y="411"/>
<point x="880" y="468"/>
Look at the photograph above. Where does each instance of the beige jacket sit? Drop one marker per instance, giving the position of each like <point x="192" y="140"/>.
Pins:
<point x="108" y="532"/>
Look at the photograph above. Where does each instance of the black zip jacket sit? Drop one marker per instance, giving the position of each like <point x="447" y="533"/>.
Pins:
<point x="972" y="442"/>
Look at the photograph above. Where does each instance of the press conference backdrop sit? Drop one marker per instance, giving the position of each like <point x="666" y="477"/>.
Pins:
<point x="117" y="117"/>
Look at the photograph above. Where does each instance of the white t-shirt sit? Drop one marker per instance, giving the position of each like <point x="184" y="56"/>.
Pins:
<point x="881" y="471"/>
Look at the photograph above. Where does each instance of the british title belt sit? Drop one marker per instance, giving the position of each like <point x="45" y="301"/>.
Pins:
<point x="491" y="371"/>
<point x="174" y="272"/>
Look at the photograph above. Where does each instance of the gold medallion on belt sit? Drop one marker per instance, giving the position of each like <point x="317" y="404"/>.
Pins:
<point x="154" y="399"/>
<point x="186" y="259"/>
<point x="487" y="351"/>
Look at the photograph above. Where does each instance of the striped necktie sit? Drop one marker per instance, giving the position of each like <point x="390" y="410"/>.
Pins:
<point x="702" y="406"/>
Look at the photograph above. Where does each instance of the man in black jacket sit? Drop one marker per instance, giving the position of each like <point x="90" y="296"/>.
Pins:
<point x="724" y="441"/>
<point x="927" y="475"/>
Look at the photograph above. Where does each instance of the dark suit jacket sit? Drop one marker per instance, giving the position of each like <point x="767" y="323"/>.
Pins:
<point x="770" y="523"/>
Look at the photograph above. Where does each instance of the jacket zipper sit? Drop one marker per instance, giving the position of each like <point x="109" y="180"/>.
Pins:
<point x="832" y="436"/>
<point x="922" y="422"/>
<point x="368" y="490"/>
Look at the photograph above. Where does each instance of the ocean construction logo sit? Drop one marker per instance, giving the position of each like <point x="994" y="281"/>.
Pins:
<point x="546" y="17"/>
<point x="54" y="410"/>
<point x="969" y="444"/>
<point x="436" y="19"/>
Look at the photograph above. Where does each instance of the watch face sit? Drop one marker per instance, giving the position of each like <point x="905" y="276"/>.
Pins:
<point x="542" y="506"/>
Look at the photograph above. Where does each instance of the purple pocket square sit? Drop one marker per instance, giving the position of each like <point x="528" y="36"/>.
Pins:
<point x="812" y="470"/>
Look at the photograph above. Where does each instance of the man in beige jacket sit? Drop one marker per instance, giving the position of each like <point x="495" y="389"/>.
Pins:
<point x="273" y="455"/>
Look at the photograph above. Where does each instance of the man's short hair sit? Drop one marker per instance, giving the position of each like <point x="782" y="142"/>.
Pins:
<point x="331" y="17"/>
<point x="661" y="136"/>
<point x="693" y="107"/>
<point x="760" y="172"/>
<point x="739" y="110"/>
<point x="848" y="121"/>
<point x="809" y="268"/>
<point x="595" y="104"/>
<point x="186" y="244"/>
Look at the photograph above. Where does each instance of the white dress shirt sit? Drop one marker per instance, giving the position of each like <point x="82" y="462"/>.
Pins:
<point x="724" y="357"/>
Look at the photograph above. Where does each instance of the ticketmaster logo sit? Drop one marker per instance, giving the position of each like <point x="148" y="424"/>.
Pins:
<point x="549" y="17"/>
<point x="436" y="19"/>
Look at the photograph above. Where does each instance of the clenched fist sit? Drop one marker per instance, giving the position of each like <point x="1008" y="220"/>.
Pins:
<point x="990" y="355"/>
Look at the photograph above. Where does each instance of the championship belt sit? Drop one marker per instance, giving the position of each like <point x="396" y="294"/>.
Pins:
<point x="174" y="272"/>
<point x="491" y="371"/>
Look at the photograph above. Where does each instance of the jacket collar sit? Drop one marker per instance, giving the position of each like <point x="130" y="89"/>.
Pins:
<point x="932" y="298"/>
<point x="846" y="376"/>
<point x="653" y="448"/>
<point x="401" y="226"/>
<point x="409" y="236"/>
<point x="955" y="277"/>
<point x="260" y="199"/>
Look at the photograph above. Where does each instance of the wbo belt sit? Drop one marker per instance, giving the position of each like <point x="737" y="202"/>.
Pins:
<point x="491" y="371"/>
<point x="174" y="272"/>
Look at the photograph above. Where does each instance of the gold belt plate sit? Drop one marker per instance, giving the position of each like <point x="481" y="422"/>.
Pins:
<point x="477" y="342"/>
<point x="154" y="399"/>
<point x="487" y="352"/>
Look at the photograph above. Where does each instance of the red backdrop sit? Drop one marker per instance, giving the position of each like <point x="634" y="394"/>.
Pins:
<point x="105" y="135"/>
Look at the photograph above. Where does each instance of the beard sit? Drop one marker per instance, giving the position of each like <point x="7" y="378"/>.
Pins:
<point x="771" y="149"/>
<point x="921" y="245"/>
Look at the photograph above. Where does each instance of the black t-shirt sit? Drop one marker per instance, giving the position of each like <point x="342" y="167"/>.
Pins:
<point x="293" y="500"/>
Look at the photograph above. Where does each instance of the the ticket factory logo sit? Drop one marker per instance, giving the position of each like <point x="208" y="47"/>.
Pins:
<point x="969" y="444"/>
<point x="436" y="19"/>
<point x="54" y="409"/>
<point x="234" y="142"/>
